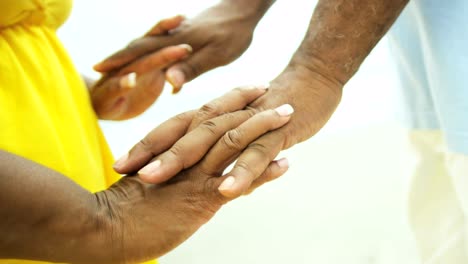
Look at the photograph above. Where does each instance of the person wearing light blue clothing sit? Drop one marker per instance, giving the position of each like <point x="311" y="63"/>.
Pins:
<point x="429" y="44"/>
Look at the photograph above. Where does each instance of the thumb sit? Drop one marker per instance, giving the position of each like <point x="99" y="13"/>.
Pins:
<point x="183" y="72"/>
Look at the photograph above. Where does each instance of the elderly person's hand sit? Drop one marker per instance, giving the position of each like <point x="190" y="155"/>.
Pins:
<point x="123" y="94"/>
<point x="313" y="96"/>
<point x="218" y="36"/>
<point x="132" y="221"/>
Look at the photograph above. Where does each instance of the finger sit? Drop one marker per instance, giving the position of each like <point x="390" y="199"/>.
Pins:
<point x="166" y="25"/>
<point x="200" y="62"/>
<point x="151" y="146"/>
<point x="136" y="49"/>
<point x="159" y="59"/>
<point x="230" y="146"/>
<point x="149" y="87"/>
<point x="274" y="171"/>
<point x="157" y="141"/>
<point x="234" y="100"/>
<point x="191" y="148"/>
<point x="106" y="93"/>
<point x="252" y="163"/>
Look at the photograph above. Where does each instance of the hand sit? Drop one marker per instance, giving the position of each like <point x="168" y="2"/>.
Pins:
<point x="149" y="220"/>
<point x="218" y="36"/>
<point x="125" y="94"/>
<point x="176" y="144"/>
<point x="313" y="96"/>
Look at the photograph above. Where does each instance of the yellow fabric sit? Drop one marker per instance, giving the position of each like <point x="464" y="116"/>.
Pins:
<point x="45" y="111"/>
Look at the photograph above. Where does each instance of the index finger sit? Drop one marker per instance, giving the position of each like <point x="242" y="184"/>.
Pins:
<point x="167" y="134"/>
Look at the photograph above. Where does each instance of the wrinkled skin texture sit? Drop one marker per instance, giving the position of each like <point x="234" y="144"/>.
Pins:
<point x="132" y="221"/>
<point x="218" y="36"/>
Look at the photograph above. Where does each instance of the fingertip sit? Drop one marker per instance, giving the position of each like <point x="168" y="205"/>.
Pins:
<point x="176" y="78"/>
<point x="120" y="164"/>
<point x="186" y="47"/>
<point x="150" y="172"/>
<point x="128" y="81"/>
<point x="99" y="67"/>
<point x="227" y="187"/>
<point x="283" y="163"/>
<point x="148" y="178"/>
<point x="232" y="187"/>
<point x="285" y="110"/>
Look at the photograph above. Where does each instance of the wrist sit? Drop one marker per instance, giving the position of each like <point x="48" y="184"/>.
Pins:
<point x="311" y="67"/>
<point x="250" y="11"/>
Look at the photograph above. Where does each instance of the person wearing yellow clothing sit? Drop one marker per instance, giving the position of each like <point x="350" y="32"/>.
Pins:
<point x="56" y="167"/>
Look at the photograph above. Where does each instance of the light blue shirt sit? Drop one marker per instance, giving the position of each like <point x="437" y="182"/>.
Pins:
<point x="429" y="43"/>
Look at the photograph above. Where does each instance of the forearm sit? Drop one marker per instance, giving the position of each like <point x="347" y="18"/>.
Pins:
<point x="342" y="33"/>
<point x="44" y="215"/>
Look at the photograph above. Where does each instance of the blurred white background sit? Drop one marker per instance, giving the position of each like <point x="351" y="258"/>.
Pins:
<point x="343" y="200"/>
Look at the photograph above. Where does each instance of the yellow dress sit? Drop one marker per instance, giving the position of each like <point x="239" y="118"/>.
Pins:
<point x="45" y="111"/>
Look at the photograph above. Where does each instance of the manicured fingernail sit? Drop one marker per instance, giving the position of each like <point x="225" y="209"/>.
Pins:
<point x="151" y="168"/>
<point x="285" y="110"/>
<point x="283" y="163"/>
<point x="186" y="47"/>
<point x="129" y="80"/>
<point x="121" y="162"/>
<point x="176" y="78"/>
<point x="227" y="184"/>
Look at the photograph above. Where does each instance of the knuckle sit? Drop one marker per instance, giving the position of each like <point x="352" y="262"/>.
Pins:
<point x="146" y="144"/>
<point x="210" y="127"/>
<point x="177" y="153"/>
<point x="210" y="109"/>
<point x="183" y="117"/>
<point x="254" y="110"/>
<point x="233" y="139"/>
<point x="247" y="169"/>
<point x="260" y="149"/>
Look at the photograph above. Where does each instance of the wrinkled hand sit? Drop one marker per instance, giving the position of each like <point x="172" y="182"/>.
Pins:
<point x="126" y="93"/>
<point x="218" y="36"/>
<point x="313" y="97"/>
<point x="150" y="220"/>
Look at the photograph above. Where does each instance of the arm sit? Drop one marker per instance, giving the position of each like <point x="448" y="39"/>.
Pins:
<point x="41" y="210"/>
<point x="342" y="33"/>
<point x="218" y="36"/>
<point x="340" y="36"/>
<point x="45" y="216"/>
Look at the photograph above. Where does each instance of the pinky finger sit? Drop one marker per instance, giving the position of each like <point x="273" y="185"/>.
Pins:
<point x="275" y="170"/>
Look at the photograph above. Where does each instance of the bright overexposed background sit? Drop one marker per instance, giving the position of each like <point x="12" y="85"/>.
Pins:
<point x="343" y="200"/>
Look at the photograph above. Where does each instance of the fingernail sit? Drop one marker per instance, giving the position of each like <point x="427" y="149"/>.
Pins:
<point x="283" y="163"/>
<point x="121" y="162"/>
<point x="129" y="80"/>
<point x="187" y="47"/>
<point x="285" y="110"/>
<point x="227" y="184"/>
<point x="176" y="78"/>
<point x="151" y="168"/>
